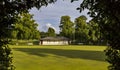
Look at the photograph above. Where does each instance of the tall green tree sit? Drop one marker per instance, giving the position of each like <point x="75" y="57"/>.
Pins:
<point x="25" y="27"/>
<point x="66" y="27"/>
<point x="81" y="29"/>
<point x="8" y="11"/>
<point x="107" y="15"/>
<point x="51" y="32"/>
<point x="94" y="33"/>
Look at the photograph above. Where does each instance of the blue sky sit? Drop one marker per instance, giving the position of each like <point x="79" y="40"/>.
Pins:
<point x="50" y="16"/>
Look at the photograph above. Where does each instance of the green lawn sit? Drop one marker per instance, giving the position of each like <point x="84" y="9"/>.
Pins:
<point x="59" y="57"/>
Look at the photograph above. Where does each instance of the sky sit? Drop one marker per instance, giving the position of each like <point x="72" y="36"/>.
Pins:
<point x="50" y="16"/>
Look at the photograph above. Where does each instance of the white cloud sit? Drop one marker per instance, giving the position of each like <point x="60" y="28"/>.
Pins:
<point x="44" y="27"/>
<point x="50" y="25"/>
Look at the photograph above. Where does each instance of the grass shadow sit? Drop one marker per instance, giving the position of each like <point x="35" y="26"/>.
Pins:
<point x="84" y="54"/>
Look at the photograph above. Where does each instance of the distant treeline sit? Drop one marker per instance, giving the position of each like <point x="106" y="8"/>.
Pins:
<point x="80" y="31"/>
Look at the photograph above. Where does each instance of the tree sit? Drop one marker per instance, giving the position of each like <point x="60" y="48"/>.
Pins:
<point x="66" y="27"/>
<point x="81" y="29"/>
<point x="8" y="12"/>
<point x="51" y="32"/>
<point x="107" y="15"/>
<point x="43" y="34"/>
<point x="94" y="33"/>
<point x="36" y="35"/>
<point x="25" y="27"/>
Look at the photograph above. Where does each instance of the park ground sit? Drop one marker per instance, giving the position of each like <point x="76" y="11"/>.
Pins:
<point x="71" y="57"/>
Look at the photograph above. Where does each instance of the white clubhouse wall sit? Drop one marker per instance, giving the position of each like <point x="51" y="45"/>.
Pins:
<point x="54" y="43"/>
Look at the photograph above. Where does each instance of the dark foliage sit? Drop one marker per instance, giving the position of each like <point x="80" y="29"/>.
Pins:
<point x="8" y="11"/>
<point x="5" y="56"/>
<point x="113" y="58"/>
<point x="107" y="14"/>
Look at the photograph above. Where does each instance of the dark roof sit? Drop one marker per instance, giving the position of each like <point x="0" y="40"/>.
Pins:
<point x="54" y="39"/>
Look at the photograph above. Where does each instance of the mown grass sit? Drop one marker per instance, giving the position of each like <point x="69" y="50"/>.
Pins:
<point x="70" y="57"/>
